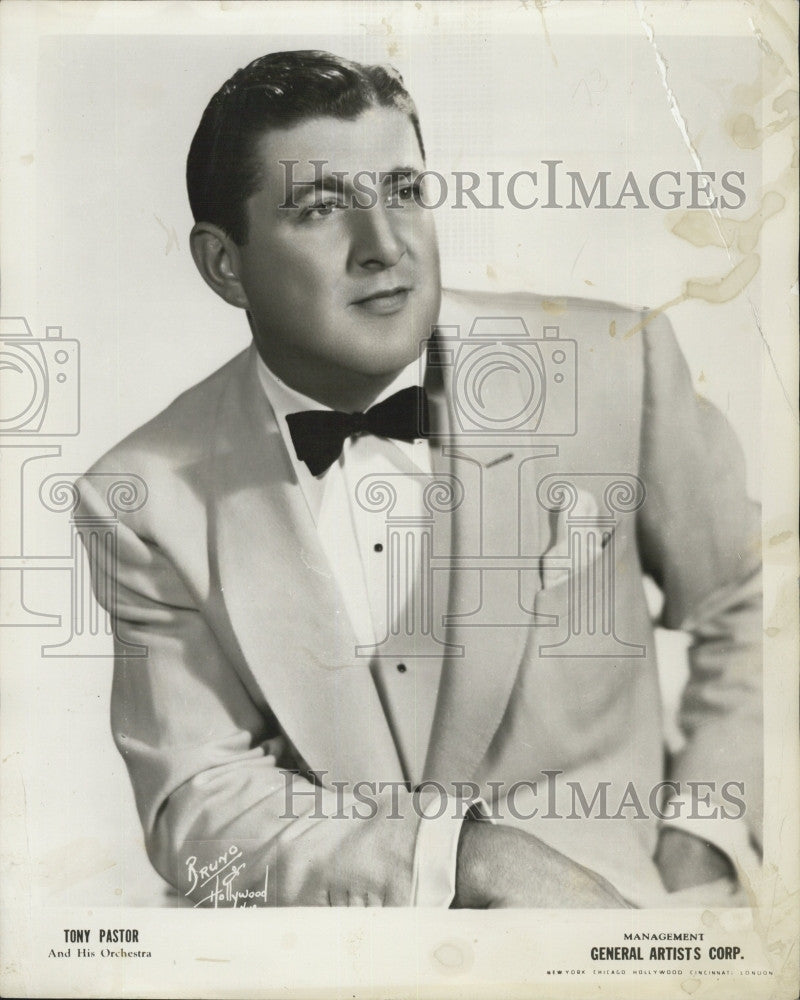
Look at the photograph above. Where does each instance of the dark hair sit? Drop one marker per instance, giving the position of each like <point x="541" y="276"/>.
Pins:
<point x="276" y="91"/>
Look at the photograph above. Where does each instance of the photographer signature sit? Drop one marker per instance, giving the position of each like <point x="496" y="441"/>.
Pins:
<point x="219" y="877"/>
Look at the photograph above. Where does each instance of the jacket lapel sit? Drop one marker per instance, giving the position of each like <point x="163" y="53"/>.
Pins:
<point x="282" y="600"/>
<point x="476" y="685"/>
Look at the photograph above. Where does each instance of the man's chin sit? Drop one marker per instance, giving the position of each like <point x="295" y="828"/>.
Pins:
<point x="380" y="355"/>
<point x="389" y="367"/>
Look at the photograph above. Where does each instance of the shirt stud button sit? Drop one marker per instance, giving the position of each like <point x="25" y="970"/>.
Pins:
<point x="378" y="547"/>
<point x="401" y="668"/>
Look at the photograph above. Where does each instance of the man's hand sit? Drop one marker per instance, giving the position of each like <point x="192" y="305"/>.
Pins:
<point x="500" y="866"/>
<point x="684" y="860"/>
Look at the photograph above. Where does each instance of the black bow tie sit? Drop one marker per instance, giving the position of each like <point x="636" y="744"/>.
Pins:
<point x="319" y="435"/>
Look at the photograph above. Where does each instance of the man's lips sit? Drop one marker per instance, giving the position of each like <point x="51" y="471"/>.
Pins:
<point x="385" y="302"/>
<point x="385" y="294"/>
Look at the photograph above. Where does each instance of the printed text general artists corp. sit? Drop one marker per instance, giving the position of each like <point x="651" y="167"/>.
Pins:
<point x="663" y="953"/>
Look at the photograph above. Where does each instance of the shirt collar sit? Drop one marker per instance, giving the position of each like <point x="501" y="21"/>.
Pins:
<point x="285" y="400"/>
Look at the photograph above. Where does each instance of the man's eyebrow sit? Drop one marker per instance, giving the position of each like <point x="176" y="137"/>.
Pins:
<point x="325" y="183"/>
<point x="339" y="181"/>
<point x="398" y="174"/>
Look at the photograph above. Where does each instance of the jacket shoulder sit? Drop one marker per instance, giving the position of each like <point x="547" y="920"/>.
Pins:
<point x="610" y="319"/>
<point x="180" y="433"/>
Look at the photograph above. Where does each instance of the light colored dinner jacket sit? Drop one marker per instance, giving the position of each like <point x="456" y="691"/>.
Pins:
<point x="251" y="668"/>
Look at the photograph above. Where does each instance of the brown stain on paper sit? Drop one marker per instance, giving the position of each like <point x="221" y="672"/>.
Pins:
<point x="708" y="227"/>
<point x="701" y="229"/>
<point x="715" y="291"/>
<point x="554" y="307"/>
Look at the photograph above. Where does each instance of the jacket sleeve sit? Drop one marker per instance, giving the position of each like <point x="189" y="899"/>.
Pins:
<point x="700" y="538"/>
<point x="228" y="818"/>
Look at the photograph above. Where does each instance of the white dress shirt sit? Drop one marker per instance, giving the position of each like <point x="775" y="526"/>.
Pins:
<point x="354" y="540"/>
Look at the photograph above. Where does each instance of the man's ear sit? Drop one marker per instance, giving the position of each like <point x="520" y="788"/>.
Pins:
<point x="217" y="259"/>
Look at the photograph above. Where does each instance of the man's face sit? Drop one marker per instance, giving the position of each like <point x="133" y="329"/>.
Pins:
<point x="337" y="293"/>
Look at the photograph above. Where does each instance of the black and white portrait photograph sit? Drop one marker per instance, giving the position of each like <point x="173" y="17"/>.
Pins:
<point x="399" y="484"/>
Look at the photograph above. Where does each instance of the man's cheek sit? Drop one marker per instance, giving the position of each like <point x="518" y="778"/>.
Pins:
<point x="292" y="289"/>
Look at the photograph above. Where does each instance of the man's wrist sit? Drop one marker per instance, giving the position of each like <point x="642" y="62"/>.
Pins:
<point x="471" y="867"/>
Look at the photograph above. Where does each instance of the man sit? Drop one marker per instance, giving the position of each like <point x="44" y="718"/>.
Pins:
<point x="335" y="711"/>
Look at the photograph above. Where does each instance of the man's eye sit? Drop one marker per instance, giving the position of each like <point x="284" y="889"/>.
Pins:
<point x="408" y="191"/>
<point x="322" y="209"/>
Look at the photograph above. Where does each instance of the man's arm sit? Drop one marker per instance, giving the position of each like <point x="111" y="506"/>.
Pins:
<point x="502" y="866"/>
<point x="206" y="776"/>
<point x="699" y="538"/>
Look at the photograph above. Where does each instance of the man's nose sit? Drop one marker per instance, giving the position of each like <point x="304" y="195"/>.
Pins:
<point x="377" y="240"/>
